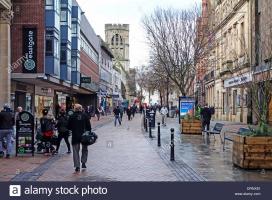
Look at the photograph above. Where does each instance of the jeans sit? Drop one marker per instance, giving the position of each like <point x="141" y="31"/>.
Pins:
<point x="84" y="154"/>
<point x="163" y="119"/>
<point x="117" y="118"/>
<point x="8" y="135"/>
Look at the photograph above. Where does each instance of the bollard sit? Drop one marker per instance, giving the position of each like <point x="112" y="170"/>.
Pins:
<point x="150" y="131"/>
<point x="159" y="134"/>
<point x="172" y="152"/>
<point x="146" y="125"/>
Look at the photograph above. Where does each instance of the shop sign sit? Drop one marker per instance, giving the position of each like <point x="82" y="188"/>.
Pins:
<point x="239" y="80"/>
<point x="85" y="80"/>
<point x="25" y="133"/>
<point x="30" y="50"/>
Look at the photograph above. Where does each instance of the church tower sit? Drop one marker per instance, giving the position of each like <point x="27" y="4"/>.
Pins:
<point x="117" y="37"/>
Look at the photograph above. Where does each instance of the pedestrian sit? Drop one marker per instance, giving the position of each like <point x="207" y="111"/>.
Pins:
<point x="116" y="112"/>
<point x="121" y="112"/>
<point x="129" y="112"/>
<point x="19" y="109"/>
<point x="97" y="112"/>
<point x="79" y="123"/>
<point x="133" y="110"/>
<point x="63" y="132"/>
<point x="206" y="116"/>
<point x="6" y="130"/>
<point x="47" y="130"/>
<point x="164" y="112"/>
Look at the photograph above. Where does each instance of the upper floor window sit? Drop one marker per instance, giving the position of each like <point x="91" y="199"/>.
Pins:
<point x="63" y="16"/>
<point x="116" y="40"/>
<point x="49" y="4"/>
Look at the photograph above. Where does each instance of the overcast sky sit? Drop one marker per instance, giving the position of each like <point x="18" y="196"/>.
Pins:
<point x="101" y="12"/>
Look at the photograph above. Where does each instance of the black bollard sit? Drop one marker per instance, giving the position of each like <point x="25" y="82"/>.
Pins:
<point x="172" y="153"/>
<point x="159" y="134"/>
<point x="146" y="125"/>
<point x="150" y="131"/>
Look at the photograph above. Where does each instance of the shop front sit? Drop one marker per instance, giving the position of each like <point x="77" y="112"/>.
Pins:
<point x="22" y="95"/>
<point x="44" y="99"/>
<point x="235" y="99"/>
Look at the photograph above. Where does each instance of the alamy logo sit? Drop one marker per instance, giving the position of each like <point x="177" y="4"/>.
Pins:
<point x="14" y="190"/>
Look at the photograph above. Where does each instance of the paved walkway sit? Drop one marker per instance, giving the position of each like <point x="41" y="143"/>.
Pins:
<point x="206" y="155"/>
<point x="25" y="167"/>
<point x="121" y="153"/>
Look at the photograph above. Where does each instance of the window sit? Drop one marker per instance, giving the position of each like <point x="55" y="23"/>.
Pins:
<point x="121" y="41"/>
<point x="56" y="48"/>
<point x="49" y="47"/>
<point x="112" y="40"/>
<point x="117" y="39"/>
<point x="49" y="4"/>
<point x="63" y="16"/>
<point x="74" y="28"/>
<point x="234" y="102"/>
<point x="224" y="103"/>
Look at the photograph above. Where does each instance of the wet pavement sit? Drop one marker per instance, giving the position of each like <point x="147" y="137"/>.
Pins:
<point x="206" y="155"/>
<point x="126" y="153"/>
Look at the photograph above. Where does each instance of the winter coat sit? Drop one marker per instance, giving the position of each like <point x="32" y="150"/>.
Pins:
<point x="206" y="114"/>
<point x="62" y="124"/>
<point x="6" y="120"/>
<point x="116" y="111"/>
<point x="78" y="123"/>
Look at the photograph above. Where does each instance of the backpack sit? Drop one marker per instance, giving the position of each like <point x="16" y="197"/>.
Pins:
<point x="46" y="125"/>
<point x="63" y="124"/>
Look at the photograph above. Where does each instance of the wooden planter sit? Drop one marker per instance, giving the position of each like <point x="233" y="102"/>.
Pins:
<point x="252" y="152"/>
<point x="191" y="126"/>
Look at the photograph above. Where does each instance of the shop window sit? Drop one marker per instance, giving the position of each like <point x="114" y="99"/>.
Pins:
<point x="224" y="103"/>
<point x="234" y="102"/>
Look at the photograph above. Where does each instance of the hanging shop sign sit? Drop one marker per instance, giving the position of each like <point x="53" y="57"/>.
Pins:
<point x="238" y="80"/>
<point x="30" y="50"/>
<point x="85" y="80"/>
<point x="25" y="134"/>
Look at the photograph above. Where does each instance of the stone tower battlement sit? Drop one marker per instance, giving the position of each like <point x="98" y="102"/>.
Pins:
<point x="124" y="27"/>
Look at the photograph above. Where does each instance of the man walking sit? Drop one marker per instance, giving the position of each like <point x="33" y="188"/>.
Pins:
<point x="78" y="123"/>
<point x="116" y="112"/>
<point x="6" y="130"/>
<point x="164" y="112"/>
<point x="206" y="116"/>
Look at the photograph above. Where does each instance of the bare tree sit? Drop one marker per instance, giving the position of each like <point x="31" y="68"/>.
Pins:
<point x="172" y="36"/>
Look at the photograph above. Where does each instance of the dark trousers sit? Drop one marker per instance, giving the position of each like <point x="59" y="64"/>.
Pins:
<point x="206" y="123"/>
<point x="64" y="136"/>
<point x="129" y="117"/>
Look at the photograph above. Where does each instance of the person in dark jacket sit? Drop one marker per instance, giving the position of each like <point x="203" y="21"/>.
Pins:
<point x="78" y="123"/>
<point x="117" y="112"/>
<point x="6" y="129"/>
<point x="47" y="129"/>
<point x="206" y="116"/>
<point x="63" y="132"/>
<point x="129" y="112"/>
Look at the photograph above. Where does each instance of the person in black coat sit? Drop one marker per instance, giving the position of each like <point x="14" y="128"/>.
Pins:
<point x="78" y="123"/>
<point x="129" y="112"/>
<point x="206" y="116"/>
<point x="6" y="130"/>
<point x="63" y="132"/>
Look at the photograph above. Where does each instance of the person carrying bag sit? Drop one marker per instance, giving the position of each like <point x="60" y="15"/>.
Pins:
<point x="79" y="123"/>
